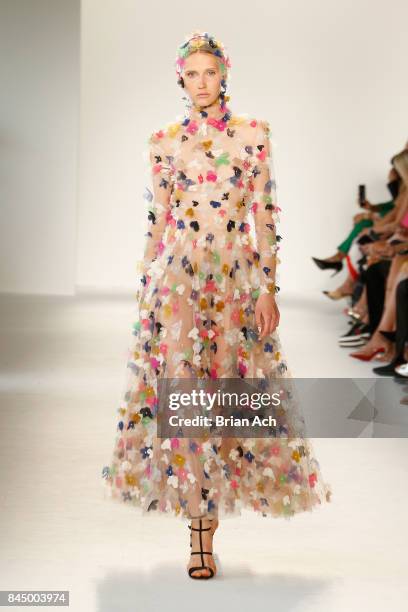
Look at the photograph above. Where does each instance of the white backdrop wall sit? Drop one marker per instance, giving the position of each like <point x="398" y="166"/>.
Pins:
<point x="39" y="108"/>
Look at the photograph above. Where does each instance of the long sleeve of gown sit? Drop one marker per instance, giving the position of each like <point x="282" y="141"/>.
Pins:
<point x="263" y="206"/>
<point x="158" y="201"/>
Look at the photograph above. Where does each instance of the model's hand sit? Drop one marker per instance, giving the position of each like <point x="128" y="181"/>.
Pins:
<point x="267" y="314"/>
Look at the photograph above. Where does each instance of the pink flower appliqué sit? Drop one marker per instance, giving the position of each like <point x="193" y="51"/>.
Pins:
<point x="242" y="369"/>
<point x="254" y="207"/>
<point x="217" y="123"/>
<point x="192" y="127"/>
<point x="154" y="362"/>
<point x="211" y="176"/>
<point x="160" y="247"/>
<point x="312" y="479"/>
<point x="163" y="348"/>
<point x="210" y="286"/>
<point x="182" y="474"/>
<point x="262" y="155"/>
<point x="157" y="168"/>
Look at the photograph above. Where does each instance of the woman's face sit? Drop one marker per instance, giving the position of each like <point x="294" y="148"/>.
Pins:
<point x="202" y="78"/>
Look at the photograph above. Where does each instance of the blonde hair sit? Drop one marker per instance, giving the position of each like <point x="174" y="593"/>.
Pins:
<point x="400" y="162"/>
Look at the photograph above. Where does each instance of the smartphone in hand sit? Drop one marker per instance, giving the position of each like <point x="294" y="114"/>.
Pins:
<point x="361" y="195"/>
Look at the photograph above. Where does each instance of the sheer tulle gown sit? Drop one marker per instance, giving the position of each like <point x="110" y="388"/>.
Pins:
<point x="211" y="250"/>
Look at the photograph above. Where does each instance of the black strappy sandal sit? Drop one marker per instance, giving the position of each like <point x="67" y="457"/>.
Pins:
<point x="200" y="552"/>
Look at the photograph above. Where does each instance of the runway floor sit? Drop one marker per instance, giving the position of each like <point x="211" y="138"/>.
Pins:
<point x="62" y="369"/>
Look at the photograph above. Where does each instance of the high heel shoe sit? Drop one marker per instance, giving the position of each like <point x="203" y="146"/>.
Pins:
<point x="370" y="356"/>
<point x="200" y="552"/>
<point x="390" y="368"/>
<point x="328" y="265"/>
<point x="337" y="294"/>
<point x="354" y="314"/>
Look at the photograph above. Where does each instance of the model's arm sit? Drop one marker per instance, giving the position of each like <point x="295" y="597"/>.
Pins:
<point x="264" y="207"/>
<point x="158" y="200"/>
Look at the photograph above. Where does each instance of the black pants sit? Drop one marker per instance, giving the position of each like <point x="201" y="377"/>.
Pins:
<point x="375" y="277"/>
<point x="402" y="318"/>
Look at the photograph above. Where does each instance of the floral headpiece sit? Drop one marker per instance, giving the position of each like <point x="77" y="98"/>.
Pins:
<point x="205" y="42"/>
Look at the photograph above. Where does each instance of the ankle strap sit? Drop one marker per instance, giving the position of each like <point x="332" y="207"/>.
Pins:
<point x="199" y="528"/>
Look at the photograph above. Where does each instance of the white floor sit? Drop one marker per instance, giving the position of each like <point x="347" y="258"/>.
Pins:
<point x="62" y="364"/>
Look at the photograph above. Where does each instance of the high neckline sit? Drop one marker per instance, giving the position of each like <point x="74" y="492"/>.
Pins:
<point x="217" y="113"/>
